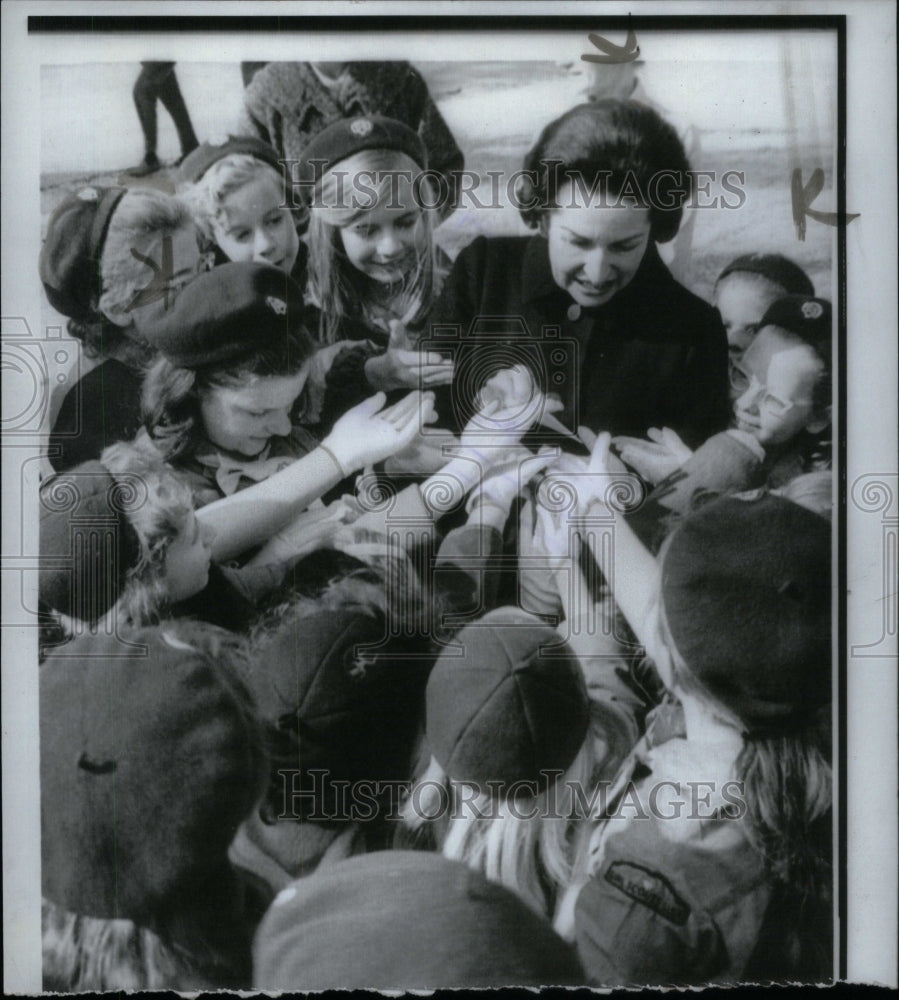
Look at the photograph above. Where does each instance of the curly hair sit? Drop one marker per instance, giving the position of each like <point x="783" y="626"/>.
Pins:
<point x="611" y="147"/>
<point x="205" y="197"/>
<point x="171" y="395"/>
<point x="157" y="523"/>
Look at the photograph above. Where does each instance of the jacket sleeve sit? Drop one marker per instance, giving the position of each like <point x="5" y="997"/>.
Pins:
<point x="707" y="401"/>
<point x="635" y="928"/>
<point x="450" y="319"/>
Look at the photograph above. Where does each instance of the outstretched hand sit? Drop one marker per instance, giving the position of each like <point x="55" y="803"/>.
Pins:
<point x="655" y="459"/>
<point x="403" y="366"/>
<point x="368" y="433"/>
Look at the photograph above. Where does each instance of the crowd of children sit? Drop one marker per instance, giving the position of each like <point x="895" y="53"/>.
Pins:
<point x="378" y="654"/>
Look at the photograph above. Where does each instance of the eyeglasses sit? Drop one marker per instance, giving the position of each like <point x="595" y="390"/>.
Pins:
<point x="742" y="382"/>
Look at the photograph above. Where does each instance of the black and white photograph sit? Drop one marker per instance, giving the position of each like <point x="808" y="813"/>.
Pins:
<point x="449" y="496"/>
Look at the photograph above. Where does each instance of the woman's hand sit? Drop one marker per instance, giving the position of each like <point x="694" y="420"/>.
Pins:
<point x="403" y="366"/>
<point x="496" y="424"/>
<point x="656" y="459"/>
<point x="367" y="433"/>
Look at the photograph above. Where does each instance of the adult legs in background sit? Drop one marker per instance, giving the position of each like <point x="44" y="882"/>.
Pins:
<point x="157" y="81"/>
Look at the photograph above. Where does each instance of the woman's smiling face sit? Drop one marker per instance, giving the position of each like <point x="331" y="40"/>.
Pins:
<point x="595" y="249"/>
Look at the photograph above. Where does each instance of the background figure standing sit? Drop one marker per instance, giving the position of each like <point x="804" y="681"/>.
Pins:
<point x="157" y="81"/>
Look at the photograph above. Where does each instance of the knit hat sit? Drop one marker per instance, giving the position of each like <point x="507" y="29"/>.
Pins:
<point x="195" y="164"/>
<point x="228" y="314"/>
<point x="69" y="263"/>
<point x="806" y="317"/>
<point x="776" y="268"/>
<point x="405" y="920"/>
<point x="148" y="765"/>
<point x="507" y="711"/>
<point x="746" y="595"/>
<point x="348" y="136"/>
<point x="87" y="543"/>
<point x="336" y="698"/>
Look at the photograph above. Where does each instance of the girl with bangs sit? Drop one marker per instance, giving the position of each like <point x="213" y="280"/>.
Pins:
<point x="373" y="264"/>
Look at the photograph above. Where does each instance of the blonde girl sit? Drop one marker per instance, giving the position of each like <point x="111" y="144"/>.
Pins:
<point x="150" y="554"/>
<point x="508" y="747"/>
<point x="727" y="874"/>
<point x="236" y="193"/>
<point x="373" y="262"/>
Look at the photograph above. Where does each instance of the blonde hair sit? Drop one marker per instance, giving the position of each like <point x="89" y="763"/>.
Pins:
<point x="334" y="284"/>
<point x="206" y="197"/>
<point x="528" y="850"/>
<point x="82" y="953"/>
<point x="787" y="785"/>
<point x="141" y="213"/>
<point x="157" y="522"/>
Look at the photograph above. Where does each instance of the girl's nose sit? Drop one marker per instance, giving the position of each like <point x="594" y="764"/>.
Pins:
<point x="278" y="424"/>
<point x="263" y="245"/>
<point x="389" y="245"/>
<point x="748" y="402"/>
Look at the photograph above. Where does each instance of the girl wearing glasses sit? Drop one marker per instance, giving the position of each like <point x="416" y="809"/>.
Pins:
<point x="780" y="436"/>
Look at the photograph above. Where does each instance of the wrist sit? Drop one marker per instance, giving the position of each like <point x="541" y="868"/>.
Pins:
<point x="340" y="464"/>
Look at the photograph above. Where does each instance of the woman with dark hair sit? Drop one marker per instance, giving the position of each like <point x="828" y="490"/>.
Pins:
<point x="586" y="303"/>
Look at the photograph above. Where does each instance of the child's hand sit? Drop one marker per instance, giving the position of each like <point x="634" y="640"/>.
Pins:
<point x="367" y="434"/>
<point x="403" y="366"/>
<point x="657" y="458"/>
<point x="552" y="536"/>
<point x="507" y="476"/>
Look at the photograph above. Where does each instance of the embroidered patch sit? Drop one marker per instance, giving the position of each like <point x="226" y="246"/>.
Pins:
<point x="361" y="127"/>
<point x="649" y="888"/>
<point x="88" y="194"/>
<point x="812" y="310"/>
<point x="278" y="306"/>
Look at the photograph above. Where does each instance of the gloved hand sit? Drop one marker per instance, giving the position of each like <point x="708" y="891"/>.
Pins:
<point x="367" y="434"/>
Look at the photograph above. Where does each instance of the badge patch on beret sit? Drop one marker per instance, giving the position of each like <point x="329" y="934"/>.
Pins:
<point x="649" y="888"/>
<point x="361" y="127"/>
<point x="88" y="194"/>
<point x="278" y="306"/>
<point x="812" y="310"/>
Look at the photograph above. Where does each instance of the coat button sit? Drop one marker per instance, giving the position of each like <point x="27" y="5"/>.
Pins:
<point x="574" y="312"/>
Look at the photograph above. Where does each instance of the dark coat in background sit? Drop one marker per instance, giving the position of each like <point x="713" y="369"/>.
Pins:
<point x="286" y="105"/>
<point x="655" y="355"/>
